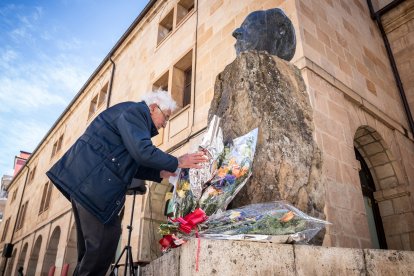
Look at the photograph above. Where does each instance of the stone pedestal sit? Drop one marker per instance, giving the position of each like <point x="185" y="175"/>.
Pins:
<point x="221" y="257"/>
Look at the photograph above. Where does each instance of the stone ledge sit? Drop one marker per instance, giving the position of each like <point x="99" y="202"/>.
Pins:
<point x="222" y="257"/>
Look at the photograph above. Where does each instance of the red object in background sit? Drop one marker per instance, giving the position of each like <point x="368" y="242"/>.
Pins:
<point x="65" y="270"/>
<point x="20" y="160"/>
<point x="52" y="271"/>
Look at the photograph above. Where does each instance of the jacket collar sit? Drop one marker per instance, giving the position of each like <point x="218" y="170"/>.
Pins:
<point x="154" y="131"/>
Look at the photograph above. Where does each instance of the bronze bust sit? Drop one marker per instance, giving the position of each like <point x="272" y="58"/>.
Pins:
<point x="269" y="30"/>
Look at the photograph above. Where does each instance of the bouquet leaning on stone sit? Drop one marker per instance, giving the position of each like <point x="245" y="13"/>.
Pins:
<point x="234" y="169"/>
<point x="275" y="221"/>
<point x="212" y="187"/>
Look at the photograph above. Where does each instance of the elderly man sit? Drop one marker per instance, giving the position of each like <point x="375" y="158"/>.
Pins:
<point x="96" y="171"/>
<point x="269" y="30"/>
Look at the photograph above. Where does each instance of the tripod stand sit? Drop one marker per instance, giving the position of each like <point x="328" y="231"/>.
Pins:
<point x="137" y="187"/>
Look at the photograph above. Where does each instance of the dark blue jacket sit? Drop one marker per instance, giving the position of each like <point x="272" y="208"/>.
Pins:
<point x="115" y="148"/>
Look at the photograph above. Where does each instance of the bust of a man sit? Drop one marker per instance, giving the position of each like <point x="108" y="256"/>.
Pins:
<point x="269" y="30"/>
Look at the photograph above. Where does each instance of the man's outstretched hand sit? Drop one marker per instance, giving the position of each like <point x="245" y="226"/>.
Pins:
<point x="192" y="160"/>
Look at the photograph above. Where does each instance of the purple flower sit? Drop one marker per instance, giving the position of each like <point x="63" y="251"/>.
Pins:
<point x="230" y="178"/>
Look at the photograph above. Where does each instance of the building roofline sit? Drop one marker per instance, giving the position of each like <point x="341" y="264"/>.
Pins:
<point x="100" y="66"/>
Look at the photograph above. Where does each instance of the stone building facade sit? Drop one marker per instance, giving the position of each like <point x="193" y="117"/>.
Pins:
<point x="181" y="45"/>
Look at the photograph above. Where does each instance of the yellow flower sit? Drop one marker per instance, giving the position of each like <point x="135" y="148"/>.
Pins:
<point x="181" y="193"/>
<point x="234" y="215"/>
<point x="222" y="171"/>
<point x="185" y="186"/>
<point x="213" y="192"/>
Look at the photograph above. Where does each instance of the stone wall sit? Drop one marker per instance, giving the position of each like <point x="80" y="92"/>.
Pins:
<point x="399" y="26"/>
<point x="221" y="257"/>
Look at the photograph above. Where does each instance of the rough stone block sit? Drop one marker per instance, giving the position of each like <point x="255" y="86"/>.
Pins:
<point x="389" y="262"/>
<point x="313" y="260"/>
<point x="277" y="103"/>
<point x="168" y="265"/>
<point x="221" y="257"/>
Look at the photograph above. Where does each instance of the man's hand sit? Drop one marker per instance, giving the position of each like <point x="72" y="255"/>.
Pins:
<point x="192" y="160"/>
<point x="166" y="174"/>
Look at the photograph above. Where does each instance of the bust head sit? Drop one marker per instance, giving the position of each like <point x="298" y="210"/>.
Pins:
<point x="269" y="30"/>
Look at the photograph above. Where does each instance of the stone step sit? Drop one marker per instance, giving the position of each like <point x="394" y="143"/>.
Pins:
<point x="224" y="257"/>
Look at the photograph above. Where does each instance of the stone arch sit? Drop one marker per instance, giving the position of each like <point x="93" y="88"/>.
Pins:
<point x="11" y="263"/>
<point x="71" y="255"/>
<point x="154" y="207"/>
<point x="51" y="251"/>
<point x="22" y="257"/>
<point x="379" y="158"/>
<point x="388" y="181"/>
<point x="34" y="257"/>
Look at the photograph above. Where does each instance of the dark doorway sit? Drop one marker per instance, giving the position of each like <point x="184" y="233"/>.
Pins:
<point x="371" y="206"/>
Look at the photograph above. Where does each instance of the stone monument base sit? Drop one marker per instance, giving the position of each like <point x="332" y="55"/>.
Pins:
<point x="222" y="257"/>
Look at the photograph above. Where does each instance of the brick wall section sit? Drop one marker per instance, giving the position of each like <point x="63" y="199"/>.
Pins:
<point x="399" y="26"/>
<point x="340" y="37"/>
<point x="343" y="192"/>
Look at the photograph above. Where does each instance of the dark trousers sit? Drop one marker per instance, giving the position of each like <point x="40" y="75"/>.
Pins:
<point x="97" y="242"/>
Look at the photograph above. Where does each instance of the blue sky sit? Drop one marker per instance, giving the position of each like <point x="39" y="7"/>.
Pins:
<point x="48" y="49"/>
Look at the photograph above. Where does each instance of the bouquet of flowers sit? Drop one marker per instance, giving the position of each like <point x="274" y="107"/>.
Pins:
<point x="234" y="169"/>
<point x="262" y="220"/>
<point x="214" y="185"/>
<point x="184" y="200"/>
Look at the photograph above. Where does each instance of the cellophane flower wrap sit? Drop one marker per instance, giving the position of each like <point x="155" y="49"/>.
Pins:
<point x="234" y="169"/>
<point x="191" y="182"/>
<point x="261" y="221"/>
<point x="214" y="185"/>
<point x="212" y="145"/>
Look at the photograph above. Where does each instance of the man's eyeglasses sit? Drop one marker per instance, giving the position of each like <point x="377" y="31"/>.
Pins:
<point x="166" y="118"/>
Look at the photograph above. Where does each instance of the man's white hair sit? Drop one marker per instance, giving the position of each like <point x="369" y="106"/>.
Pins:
<point x="161" y="98"/>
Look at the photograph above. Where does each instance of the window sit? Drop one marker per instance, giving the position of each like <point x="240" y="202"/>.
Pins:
<point x="93" y="106"/>
<point x="187" y="87"/>
<point x="5" y="229"/>
<point x="184" y="7"/>
<point x="57" y="146"/>
<point x="21" y="216"/>
<point x="47" y="193"/>
<point x="32" y="174"/>
<point x="165" y="27"/>
<point x="103" y="94"/>
<point x="14" y="195"/>
<point x="182" y="79"/>
<point x="161" y="83"/>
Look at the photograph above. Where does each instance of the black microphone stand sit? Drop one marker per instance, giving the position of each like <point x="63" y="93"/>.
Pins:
<point x="137" y="187"/>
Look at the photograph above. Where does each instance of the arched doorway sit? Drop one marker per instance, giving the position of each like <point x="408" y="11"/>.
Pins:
<point x="34" y="257"/>
<point x="22" y="257"/>
<point x="377" y="172"/>
<point x="71" y="255"/>
<point x="50" y="255"/>
<point x="11" y="263"/>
